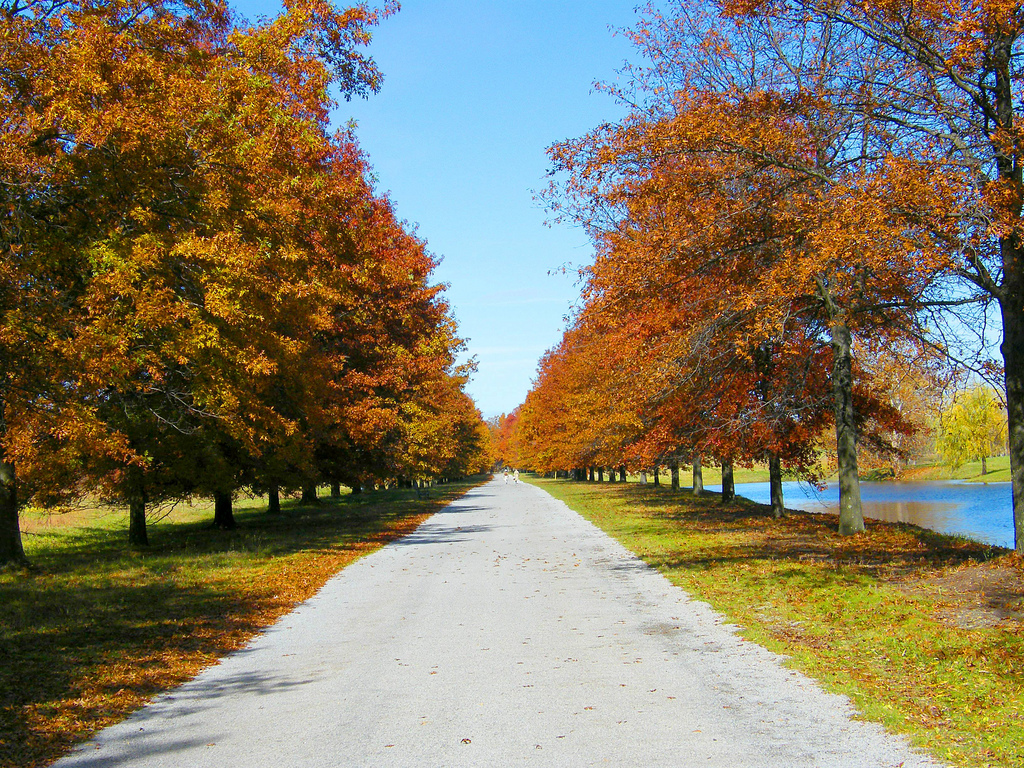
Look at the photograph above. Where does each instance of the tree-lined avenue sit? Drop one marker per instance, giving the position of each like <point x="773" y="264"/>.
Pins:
<point x="505" y="630"/>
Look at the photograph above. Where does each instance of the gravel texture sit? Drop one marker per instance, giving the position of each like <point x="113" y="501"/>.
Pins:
<point x="505" y="631"/>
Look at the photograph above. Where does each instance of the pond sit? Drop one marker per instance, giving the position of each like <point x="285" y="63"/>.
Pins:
<point x="981" y="511"/>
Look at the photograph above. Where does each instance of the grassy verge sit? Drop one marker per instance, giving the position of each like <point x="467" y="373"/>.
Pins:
<point x="882" y="617"/>
<point x="998" y="472"/>
<point x="95" y="629"/>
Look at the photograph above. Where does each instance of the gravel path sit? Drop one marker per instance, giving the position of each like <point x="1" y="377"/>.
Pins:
<point x="505" y="631"/>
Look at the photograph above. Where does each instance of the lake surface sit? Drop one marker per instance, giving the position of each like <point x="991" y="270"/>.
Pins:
<point x="981" y="511"/>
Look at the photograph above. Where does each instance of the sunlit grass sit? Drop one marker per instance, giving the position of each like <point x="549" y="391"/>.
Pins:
<point x="96" y="628"/>
<point x="848" y="611"/>
<point x="998" y="471"/>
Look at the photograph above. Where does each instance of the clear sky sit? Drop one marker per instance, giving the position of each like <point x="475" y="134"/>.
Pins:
<point x="474" y="92"/>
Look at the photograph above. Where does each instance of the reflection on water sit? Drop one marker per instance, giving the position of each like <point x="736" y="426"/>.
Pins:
<point x="905" y="511"/>
<point x="981" y="511"/>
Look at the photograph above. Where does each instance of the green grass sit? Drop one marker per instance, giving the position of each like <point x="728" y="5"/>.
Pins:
<point x="96" y="628"/>
<point x="852" y="612"/>
<point x="998" y="471"/>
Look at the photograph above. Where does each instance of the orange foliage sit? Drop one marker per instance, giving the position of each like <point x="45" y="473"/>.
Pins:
<point x="749" y="234"/>
<point x="205" y="291"/>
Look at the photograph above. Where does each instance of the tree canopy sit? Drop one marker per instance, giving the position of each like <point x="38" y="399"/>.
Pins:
<point x="200" y="289"/>
<point x="797" y="191"/>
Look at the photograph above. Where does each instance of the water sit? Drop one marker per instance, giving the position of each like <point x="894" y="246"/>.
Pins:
<point x="980" y="511"/>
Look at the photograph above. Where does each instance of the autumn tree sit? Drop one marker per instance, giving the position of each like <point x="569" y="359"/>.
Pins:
<point x="734" y="165"/>
<point x="910" y="378"/>
<point x="444" y="433"/>
<point x="73" y="106"/>
<point x="504" y="442"/>
<point x="941" y="78"/>
<point x="202" y="288"/>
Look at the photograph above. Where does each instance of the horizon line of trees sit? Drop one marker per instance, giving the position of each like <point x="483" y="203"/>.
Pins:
<point x="200" y="290"/>
<point x="807" y="202"/>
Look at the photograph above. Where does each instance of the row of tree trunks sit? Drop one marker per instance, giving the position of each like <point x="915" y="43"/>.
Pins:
<point x="12" y="551"/>
<point x="596" y="474"/>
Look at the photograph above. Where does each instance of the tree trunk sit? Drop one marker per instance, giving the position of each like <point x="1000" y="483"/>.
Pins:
<point x="1011" y="292"/>
<point x="223" y="514"/>
<point x="775" y="483"/>
<point x="590" y="475"/>
<point x="1012" y="307"/>
<point x="728" y="486"/>
<point x="656" y="473"/>
<point x="984" y="465"/>
<point x="356" y="488"/>
<point x="309" y="493"/>
<point x="274" y="500"/>
<point x="622" y="473"/>
<point x="674" y="473"/>
<point x="698" y="476"/>
<point x="137" y="536"/>
<point x="851" y="514"/>
<point x="11" y="550"/>
<point x="335" y="489"/>
<point x="600" y="474"/>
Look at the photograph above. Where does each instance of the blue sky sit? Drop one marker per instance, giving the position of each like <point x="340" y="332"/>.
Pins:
<point x="474" y="92"/>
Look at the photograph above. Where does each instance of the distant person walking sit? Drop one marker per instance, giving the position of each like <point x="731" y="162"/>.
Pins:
<point x="516" y="475"/>
<point x="506" y="475"/>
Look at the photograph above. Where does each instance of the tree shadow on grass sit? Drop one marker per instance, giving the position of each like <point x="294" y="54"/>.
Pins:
<point x="71" y="652"/>
<point x="742" y="530"/>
